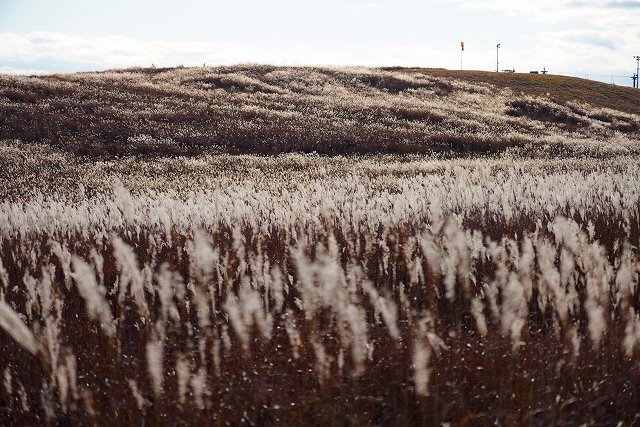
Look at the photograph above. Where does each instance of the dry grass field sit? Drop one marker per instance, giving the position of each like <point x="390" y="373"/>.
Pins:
<point x="272" y="110"/>
<point x="284" y="246"/>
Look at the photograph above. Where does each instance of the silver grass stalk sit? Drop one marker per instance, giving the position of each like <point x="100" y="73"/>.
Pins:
<point x="234" y="311"/>
<point x="51" y="338"/>
<point x="183" y="372"/>
<point x="384" y="307"/>
<point x="215" y="356"/>
<point x="155" y="365"/>
<point x="631" y="332"/>
<point x="170" y="284"/>
<point x="98" y="262"/>
<point x="72" y="372"/>
<point x="63" y="385"/>
<point x="4" y="276"/>
<point x="626" y="278"/>
<point x="24" y="400"/>
<point x="11" y="322"/>
<point x="46" y="399"/>
<point x="135" y="392"/>
<point x="202" y="306"/>
<point x="130" y="275"/>
<point x="199" y="386"/>
<point x="295" y="340"/>
<point x="420" y="357"/>
<point x="125" y="203"/>
<point x="457" y="263"/>
<point x="30" y="285"/>
<point x="526" y="268"/>
<point x="64" y="256"/>
<point x="203" y="258"/>
<point x="356" y="319"/>
<point x="277" y="288"/>
<point x="323" y="361"/>
<point x="226" y="339"/>
<point x="477" y="310"/>
<point x="45" y="289"/>
<point x="513" y="309"/>
<point x="598" y="273"/>
<point x="6" y="382"/>
<point x="551" y="279"/>
<point x="93" y="294"/>
<point x="87" y="400"/>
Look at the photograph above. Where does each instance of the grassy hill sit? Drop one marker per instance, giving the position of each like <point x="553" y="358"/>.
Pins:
<point x="269" y="110"/>
<point x="560" y="89"/>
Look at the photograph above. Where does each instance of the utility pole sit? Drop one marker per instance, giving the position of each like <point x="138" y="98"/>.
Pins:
<point x="498" y="58"/>
<point x="635" y="81"/>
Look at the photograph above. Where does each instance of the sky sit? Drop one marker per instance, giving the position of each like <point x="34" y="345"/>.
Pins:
<point x="593" y="39"/>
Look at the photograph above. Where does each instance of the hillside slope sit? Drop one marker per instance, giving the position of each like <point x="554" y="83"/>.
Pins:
<point x="560" y="89"/>
<point x="270" y="110"/>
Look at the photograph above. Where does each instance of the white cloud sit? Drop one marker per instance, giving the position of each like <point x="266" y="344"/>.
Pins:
<point x="572" y="51"/>
<point x="595" y="13"/>
<point x="580" y="36"/>
<point x="112" y="51"/>
<point x="115" y="52"/>
<point x="597" y="41"/>
<point x="22" y="71"/>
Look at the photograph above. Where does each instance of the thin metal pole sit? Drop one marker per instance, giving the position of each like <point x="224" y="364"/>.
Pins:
<point x="637" y="82"/>
<point x="498" y="58"/>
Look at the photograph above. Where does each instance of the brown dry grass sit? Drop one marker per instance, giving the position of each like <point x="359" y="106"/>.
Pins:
<point x="561" y="89"/>
<point x="476" y="380"/>
<point x="271" y="110"/>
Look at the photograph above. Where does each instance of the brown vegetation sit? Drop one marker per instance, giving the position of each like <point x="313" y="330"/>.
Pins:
<point x="271" y="110"/>
<point x="305" y="289"/>
<point x="560" y="89"/>
<point x="486" y="272"/>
